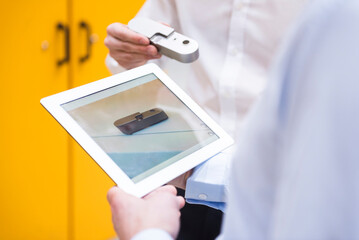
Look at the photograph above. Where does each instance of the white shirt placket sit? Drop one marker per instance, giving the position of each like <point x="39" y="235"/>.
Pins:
<point x="231" y="72"/>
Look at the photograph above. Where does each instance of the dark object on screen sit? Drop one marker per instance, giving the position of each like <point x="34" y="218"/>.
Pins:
<point x="138" y="121"/>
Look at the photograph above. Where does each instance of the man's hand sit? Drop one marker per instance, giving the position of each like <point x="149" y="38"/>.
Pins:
<point x="159" y="209"/>
<point x="127" y="47"/>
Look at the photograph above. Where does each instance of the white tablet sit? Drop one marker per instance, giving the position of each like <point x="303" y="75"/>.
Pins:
<point x="139" y="127"/>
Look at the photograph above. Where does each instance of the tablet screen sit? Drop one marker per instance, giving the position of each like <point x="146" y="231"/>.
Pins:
<point x="141" y="125"/>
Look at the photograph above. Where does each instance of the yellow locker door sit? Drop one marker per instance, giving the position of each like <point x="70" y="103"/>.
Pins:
<point x="33" y="162"/>
<point x="92" y="219"/>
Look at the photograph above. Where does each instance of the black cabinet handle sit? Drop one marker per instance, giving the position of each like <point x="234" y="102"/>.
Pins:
<point x="86" y="27"/>
<point x="65" y="29"/>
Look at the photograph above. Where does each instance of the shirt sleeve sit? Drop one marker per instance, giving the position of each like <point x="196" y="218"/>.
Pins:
<point x="113" y="65"/>
<point x="208" y="184"/>
<point x="296" y="173"/>
<point x="152" y="233"/>
<point x="162" y="11"/>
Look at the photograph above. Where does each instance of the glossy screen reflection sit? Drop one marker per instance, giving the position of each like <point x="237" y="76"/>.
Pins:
<point x="143" y="152"/>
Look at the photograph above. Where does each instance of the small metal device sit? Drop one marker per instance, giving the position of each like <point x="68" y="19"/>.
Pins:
<point x="138" y="121"/>
<point x="167" y="41"/>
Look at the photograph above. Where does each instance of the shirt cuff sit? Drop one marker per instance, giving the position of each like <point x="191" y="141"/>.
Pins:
<point x="152" y="233"/>
<point x="208" y="185"/>
<point x="113" y="65"/>
<point x="216" y="205"/>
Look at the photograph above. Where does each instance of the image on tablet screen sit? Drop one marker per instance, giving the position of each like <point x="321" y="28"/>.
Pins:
<point x="141" y="125"/>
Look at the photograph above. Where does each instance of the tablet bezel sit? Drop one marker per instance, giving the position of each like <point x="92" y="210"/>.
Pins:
<point x="53" y="105"/>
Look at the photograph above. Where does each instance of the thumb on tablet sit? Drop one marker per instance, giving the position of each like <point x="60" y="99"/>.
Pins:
<point x="131" y="215"/>
<point x="117" y="197"/>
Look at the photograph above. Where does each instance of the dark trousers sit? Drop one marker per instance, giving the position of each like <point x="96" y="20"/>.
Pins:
<point x="199" y="222"/>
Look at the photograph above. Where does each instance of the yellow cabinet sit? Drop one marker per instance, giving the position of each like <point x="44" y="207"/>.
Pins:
<point x="92" y="218"/>
<point x="49" y="187"/>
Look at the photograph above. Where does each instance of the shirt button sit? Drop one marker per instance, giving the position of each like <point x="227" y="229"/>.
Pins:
<point x="202" y="196"/>
<point x="234" y="51"/>
<point x="239" y="6"/>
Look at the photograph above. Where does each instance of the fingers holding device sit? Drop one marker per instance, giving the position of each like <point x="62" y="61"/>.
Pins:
<point x="167" y="41"/>
<point x="128" y="48"/>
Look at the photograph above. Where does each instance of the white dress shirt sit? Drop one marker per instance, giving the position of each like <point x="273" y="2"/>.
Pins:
<point x="237" y="41"/>
<point x="296" y="171"/>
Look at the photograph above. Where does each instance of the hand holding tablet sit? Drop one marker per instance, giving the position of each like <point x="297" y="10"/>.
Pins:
<point x="139" y="126"/>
